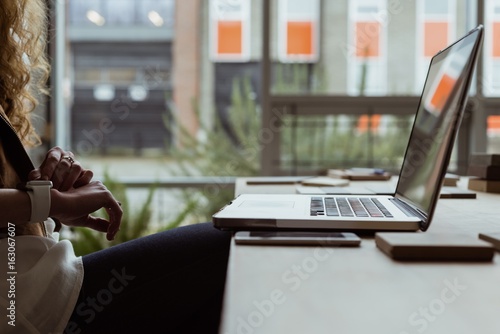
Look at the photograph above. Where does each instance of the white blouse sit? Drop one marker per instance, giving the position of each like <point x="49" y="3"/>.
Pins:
<point x="39" y="292"/>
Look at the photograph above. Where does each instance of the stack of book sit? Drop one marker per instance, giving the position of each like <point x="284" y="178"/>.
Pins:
<point x="484" y="170"/>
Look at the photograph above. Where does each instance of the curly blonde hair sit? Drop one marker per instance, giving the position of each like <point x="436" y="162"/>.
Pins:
<point x="24" y="67"/>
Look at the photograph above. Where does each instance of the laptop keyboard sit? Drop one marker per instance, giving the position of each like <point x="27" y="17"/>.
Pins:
<point x="348" y="207"/>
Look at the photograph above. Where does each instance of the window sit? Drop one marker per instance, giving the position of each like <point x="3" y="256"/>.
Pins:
<point x="489" y="84"/>
<point x="121" y="60"/>
<point x="493" y="132"/>
<point x="368" y="65"/>
<point x="230" y="30"/>
<point x="322" y="53"/>
<point x="299" y="25"/>
<point x="437" y="28"/>
<point x="342" y="141"/>
<point x="492" y="48"/>
<point x="152" y="13"/>
<point x="367" y="48"/>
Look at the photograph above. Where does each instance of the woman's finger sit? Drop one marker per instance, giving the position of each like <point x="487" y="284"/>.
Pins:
<point x="35" y="174"/>
<point x="49" y="164"/>
<point x="84" y="179"/>
<point x="95" y="223"/>
<point x="68" y="174"/>
<point x="115" y="213"/>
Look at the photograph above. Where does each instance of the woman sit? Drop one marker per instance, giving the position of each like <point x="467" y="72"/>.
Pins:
<point x="171" y="282"/>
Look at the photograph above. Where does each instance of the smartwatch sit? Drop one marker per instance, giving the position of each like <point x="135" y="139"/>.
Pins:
<point x="39" y="193"/>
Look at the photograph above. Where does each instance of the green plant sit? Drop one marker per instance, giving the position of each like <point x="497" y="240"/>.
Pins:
<point x="219" y="155"/>
<point x="299" y="78"/>
<point x="317" y="143"/>
<point x="136" y="222"/>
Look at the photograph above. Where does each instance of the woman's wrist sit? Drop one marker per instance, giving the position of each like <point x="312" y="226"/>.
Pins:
<point x="40" y="198"/>
<point x="56" y="203"/>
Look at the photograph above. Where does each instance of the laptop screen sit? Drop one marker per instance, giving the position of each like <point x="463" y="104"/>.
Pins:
<point x="439" y="113"/>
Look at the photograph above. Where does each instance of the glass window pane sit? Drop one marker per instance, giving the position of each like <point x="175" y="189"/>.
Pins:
<point x="368" y="9"/>
<point x="368" y="34"/>
<point x="121" y="99"/>
<point x="120" y="12"/>
<point x="230" y="29"/>
<point x="88" y="76"/>
<point x="122" y="76"/>
<point x="298" y="25"/>
<point x="435" y="37"/>
<point x="493" y="132"/>
<point x="436" y="7"/>
<point x="81" y="10"/>
<point x="402" y="36"/>
<point x="126" y="56"/>
<point x="299" y="7"/>
<point x="156" y="13"/>
<point x="343" y="141"/>
<point x="491" y="49"/>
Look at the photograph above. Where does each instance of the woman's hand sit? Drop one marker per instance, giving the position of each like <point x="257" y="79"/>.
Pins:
<point x="60" y="167"/>
<point x="73" y="208"/>
<point x="75" y="196"/>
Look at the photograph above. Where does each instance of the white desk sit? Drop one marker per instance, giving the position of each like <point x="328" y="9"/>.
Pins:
<point x="273" y="289"/>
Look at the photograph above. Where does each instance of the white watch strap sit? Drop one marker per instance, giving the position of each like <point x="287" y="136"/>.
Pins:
<point x="40" y="203"/>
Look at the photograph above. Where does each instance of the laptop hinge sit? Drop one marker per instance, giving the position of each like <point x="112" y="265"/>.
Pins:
<point x="408" y="209"/>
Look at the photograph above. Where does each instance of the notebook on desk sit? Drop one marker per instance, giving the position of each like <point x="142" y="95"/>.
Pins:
<point x="411" y="207"/>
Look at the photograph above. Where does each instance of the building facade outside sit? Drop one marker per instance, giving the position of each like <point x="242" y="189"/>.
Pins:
<point x="139" y="70"/>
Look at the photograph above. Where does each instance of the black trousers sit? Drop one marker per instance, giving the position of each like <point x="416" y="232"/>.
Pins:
<point x="170" y="282"/>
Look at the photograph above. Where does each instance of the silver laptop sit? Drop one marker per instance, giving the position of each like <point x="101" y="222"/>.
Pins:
<point x="412" y="205"/>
